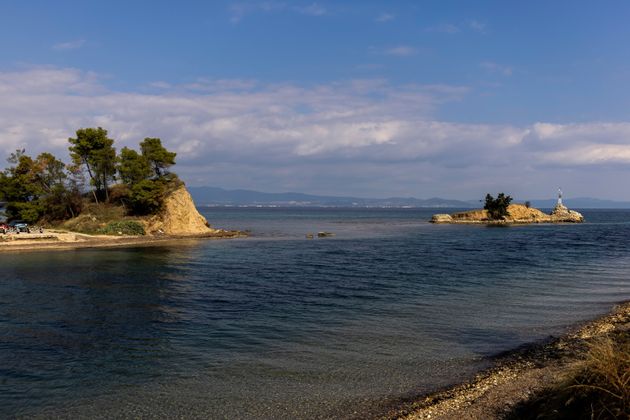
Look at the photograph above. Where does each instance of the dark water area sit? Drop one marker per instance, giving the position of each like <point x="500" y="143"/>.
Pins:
<point x="280" y="326"/>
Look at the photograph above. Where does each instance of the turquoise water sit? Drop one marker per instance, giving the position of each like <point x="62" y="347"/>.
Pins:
<point x="277" y="325"/>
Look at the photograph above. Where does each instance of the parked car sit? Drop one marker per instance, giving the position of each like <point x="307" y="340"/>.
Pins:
<point x="19" y="226"/>
<point x="4" y="228"/>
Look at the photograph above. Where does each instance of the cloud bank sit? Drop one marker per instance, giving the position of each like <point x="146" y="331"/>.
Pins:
<point x="363" y="137"/>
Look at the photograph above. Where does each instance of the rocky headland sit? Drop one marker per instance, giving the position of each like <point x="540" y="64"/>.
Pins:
<point x="177" y="219"/>
<point x="517" y="214"/>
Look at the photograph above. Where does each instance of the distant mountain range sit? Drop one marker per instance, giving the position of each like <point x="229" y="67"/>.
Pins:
<point x="582" y="203"/>
<point x="212" y="196"/>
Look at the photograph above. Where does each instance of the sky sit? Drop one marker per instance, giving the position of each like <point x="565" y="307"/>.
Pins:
<point x="453" y="99"/>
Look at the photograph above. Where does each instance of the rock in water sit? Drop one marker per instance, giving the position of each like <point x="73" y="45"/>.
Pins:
<point x="517" y="214"/>
<point x="179" y="216"/>
<point x="561" y="213"/>
<point x="441" y="218"/>
<point x="325" y="234"/>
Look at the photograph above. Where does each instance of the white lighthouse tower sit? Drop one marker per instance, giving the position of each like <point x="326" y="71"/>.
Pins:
<point x="560" y="208"/>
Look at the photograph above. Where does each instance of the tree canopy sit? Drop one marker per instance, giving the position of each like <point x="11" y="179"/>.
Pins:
<point x="146" y="174"/>
<point x="159" y="158"/>
<point x="40" y="187"/>
<point x="497" y="207"/>
<point x="133" y="167"/>
<point x="93" y="149"/>
<point x="46" y="188"/>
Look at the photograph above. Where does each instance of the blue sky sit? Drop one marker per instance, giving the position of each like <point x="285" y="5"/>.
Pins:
<point x="369" y="98"/>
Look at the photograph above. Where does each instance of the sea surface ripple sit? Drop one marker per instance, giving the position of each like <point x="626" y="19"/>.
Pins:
<point x="280" y="326"/>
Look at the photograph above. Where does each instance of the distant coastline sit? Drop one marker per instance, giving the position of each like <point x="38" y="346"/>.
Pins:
<point x="220" y="197"/>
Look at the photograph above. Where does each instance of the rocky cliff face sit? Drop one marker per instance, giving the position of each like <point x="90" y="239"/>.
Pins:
<point x="178" y="217"/>
<point x="518" y="213"/>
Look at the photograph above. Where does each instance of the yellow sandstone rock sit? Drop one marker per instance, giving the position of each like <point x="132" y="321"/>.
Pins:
<point x="178" y="217"/>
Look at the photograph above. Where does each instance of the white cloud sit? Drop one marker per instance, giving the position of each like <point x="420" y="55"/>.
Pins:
<point x="313" y="9"/>
<point x="450" y="28"/>
<point x="160" y="85"/>
<point x="446" y="28"/>
<point x="385" y="17"/>
<point x="477" y="26"/>
<point x="580" y="144"/>
<point x="344" y="137"/>
<point x="70" y="45"/>
<point x="401" y="51"/>
<point x="238" y="10"/>
<point x="493" y="67"/>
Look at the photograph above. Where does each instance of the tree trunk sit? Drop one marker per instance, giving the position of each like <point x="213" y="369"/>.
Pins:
<point x="87" y="165"/>
<point x="106" y="190"/>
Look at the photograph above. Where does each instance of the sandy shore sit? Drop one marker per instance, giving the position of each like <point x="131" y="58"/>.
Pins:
<point x="56" y="240"/>
<point x="516" y="376"/>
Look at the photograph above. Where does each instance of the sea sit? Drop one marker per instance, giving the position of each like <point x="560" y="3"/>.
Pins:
<point x="277" y="325"/>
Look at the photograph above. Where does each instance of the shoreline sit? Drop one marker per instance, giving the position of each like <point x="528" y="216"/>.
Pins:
<point x="516" y="375"/>
<point x="63" y="241"/>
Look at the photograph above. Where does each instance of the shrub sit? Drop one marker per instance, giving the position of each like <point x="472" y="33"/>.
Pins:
<point x="119" y="194"/>
<point x="28" y="211"/>
<point x="597" y="388"/>
<point x="123" y="227"/>
<point x="604" y="378"/>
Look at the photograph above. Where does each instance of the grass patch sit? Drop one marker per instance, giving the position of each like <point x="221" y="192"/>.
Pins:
<point x="104" y="219"/>
<point x="123" y="227"/>
<point x="598" y="388"/>
<point x="94" y="218"/>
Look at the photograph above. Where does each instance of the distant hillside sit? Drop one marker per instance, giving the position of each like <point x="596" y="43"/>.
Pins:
<point x="582" y="203"/>
<point x="205" y="196"/>
<point x="212" y="196"/>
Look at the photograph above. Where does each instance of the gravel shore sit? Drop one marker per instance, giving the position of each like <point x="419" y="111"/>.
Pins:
<point x="61" y="240"/>
<point x="516" y="376"/>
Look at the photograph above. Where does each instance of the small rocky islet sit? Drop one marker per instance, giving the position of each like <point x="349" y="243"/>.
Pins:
<point x="517" y="214"/>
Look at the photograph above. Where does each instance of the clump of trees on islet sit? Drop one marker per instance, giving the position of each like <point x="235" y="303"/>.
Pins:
<point x="44" y="188"/>
<point x="497" y="207"/>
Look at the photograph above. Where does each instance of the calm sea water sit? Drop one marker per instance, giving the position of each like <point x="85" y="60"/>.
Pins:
<point x="277" y="325"/>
